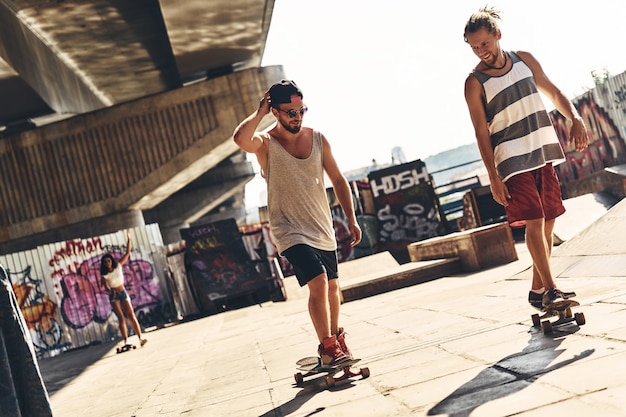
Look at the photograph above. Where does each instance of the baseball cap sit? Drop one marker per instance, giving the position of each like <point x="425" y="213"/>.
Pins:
<point x="281" y="92"/>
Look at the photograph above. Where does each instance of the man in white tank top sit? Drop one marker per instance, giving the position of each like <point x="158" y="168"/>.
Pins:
<point x="294" y="160"/>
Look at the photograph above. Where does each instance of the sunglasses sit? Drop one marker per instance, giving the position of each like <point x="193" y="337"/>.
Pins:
<point x="293" y="113"/>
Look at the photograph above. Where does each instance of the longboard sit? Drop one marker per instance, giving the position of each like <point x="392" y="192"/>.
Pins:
<point x="312" y="366"/>
<point x="562" y="309"/>
<point x="125" y="348"/>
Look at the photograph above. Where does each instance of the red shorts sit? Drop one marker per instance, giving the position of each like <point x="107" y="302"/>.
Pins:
<point x="534" y="195"/>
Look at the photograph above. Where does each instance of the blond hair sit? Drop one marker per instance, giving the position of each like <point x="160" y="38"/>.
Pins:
<point x="486" y="17"/>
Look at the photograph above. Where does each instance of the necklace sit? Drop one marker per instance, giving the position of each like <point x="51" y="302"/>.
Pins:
<point x="503" y="65"/>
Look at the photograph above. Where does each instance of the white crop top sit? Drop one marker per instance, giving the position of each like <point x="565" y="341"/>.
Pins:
<point x="116" y="277"/>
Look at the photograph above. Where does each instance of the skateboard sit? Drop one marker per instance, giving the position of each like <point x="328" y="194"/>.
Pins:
<point x="312" y="366"/>
<point x="125" y="348"/>
<point x="562" y="309"/>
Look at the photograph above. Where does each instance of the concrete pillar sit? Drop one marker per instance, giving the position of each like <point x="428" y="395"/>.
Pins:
<point x="22" y="391"/>
<point x="171" y="233"/>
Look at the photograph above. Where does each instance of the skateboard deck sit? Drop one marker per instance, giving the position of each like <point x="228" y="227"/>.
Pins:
<point x="125" y="348"/>
<point x="312" y="366"/>
<point x="561" y="309"/>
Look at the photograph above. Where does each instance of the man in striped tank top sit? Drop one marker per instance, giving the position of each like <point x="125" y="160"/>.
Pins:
<point x="294" y="160"/>
<point x="518" y="143"/>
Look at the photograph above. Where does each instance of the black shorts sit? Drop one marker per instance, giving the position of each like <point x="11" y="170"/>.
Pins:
<point x="309" y="262"/>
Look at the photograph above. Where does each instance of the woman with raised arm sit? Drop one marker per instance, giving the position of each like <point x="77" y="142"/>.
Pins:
<point x="112" y="278"/>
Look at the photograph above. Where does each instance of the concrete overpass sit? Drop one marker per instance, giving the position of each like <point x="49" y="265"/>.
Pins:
<point x="119" y="113"/>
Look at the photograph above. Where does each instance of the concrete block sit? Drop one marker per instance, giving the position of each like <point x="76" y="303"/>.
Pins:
<point x="401" y="276"/>
<point x="379" y="262"/>
<point x="478" y="248"/>
<point x="616" y="180"/>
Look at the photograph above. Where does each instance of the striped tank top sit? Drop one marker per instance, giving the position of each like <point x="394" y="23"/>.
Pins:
<point x="298" y="208"/>
<point x="522" y="136"/>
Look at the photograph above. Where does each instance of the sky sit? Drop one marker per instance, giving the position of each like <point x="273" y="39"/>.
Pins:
<point x="381" y="74"/>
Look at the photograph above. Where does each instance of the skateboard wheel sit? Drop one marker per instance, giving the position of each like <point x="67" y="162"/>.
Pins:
<point x="568" y="312"/>
<point x="330" y="382"/>
<point x="536" y="321"/>
<point x="365" y="372"/>
<point x="546" y="326"/>
<point x="299" y="378"/>
<point x="580" y="318"/>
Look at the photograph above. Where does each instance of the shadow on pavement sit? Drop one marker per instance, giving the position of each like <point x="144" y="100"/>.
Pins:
<point x="62" y="369"/>
<point x="509" y="375"/>
<point x="310" y="388"/>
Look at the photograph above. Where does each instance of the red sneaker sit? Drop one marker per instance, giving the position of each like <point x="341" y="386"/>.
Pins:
<point x="341" y="339"/>
<point x="330" y="353"/>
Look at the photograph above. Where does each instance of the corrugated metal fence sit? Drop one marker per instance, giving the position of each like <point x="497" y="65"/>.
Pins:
<point x="58" y="288"/>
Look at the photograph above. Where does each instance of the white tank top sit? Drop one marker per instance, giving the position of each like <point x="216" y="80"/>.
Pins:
<point x="298" y="208"/>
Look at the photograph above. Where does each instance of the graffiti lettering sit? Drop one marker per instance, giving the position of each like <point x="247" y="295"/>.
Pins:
<point x="208" y="242"/>
<point x="202" y="230"/>
<point x="76" y="247"/>
<point x="397" y="182"/>
<point x="345" y="251"/>
<point x="85" y="300"/>
<point x="68" y="307"/>
<point x="39" y="312"/>
<point x="410" y="225"/>
<point x="606" y="146"/>
<point x="71" y="268"/>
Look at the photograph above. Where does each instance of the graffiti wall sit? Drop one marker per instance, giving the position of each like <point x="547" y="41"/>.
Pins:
<point x="219" y="264"/>
<point x="404" y="200"/>
<point x="345" y="251"/>
<point x="65" y="307"/>
<point x="604" y="111"/>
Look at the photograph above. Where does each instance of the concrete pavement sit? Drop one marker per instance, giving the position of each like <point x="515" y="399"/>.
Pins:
<point x="459" y="345"/>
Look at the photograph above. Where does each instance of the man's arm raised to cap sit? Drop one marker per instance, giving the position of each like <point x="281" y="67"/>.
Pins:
<point x="246" y="135"/>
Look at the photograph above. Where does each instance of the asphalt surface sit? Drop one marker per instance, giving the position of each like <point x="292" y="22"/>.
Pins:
<point x="458" y="345"/>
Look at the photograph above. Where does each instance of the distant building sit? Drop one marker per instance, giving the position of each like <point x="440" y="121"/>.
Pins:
<point x="397" y="156"/>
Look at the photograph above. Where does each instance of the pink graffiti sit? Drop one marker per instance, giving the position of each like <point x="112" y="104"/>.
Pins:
<point x="85" y="301"/>
<point x="606" y="146"/>
<point x="345" y="251"/>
